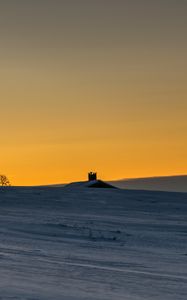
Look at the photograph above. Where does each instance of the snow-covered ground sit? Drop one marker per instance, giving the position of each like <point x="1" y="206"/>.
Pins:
<point x="106" y="244"/>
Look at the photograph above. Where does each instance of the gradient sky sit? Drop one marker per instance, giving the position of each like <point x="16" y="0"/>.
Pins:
<point x="92" y="85"/>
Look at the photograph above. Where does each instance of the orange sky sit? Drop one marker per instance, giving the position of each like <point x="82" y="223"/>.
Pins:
<point x="92" y="85"/>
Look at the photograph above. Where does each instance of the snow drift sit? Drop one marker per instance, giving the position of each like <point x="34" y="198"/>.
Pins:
<point x="105" y="244"/>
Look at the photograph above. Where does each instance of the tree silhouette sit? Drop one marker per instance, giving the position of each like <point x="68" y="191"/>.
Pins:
<point x="4" y="181"/>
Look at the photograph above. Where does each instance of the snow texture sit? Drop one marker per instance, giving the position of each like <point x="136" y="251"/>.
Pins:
<point x="104" y="244"/>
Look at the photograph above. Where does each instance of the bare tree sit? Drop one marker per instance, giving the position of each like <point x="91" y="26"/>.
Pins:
<point x="4" y="181"/>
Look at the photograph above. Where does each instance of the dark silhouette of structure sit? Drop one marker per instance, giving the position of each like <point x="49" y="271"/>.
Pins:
<point x="92" y="176"/>
<point x="92" y="182"/>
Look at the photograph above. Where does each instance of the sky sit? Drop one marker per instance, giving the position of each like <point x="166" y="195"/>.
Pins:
<point x="92" y="85"/>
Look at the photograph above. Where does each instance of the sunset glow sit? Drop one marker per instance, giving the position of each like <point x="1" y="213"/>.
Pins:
<point x="92" y="85"/>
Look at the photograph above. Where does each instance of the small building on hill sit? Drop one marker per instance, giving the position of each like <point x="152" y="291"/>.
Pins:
<point x="92" y="176"/>
<point x="92" y="182"/>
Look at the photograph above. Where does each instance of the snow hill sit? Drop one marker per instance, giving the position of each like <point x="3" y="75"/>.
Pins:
<point x="165" y="183"/>
<point x="90" y="184"/>
<point x="92" y="244"/>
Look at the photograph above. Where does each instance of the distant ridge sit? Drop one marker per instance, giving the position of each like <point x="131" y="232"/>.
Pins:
<point x="161" y="183"/>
